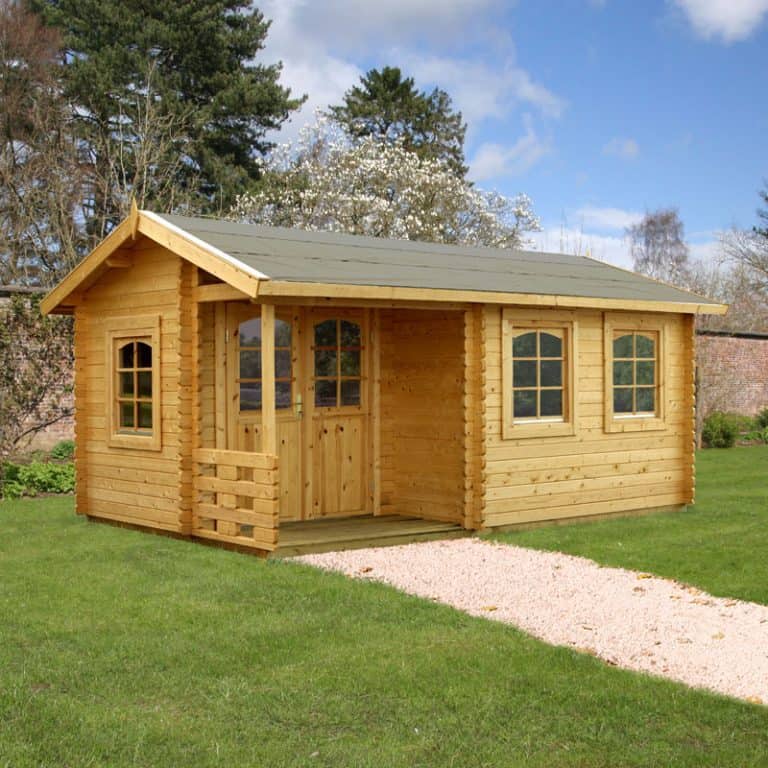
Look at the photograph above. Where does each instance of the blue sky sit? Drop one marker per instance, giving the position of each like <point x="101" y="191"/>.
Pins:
<point x="597" y="109"/>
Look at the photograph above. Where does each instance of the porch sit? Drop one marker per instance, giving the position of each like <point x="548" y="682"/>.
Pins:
<point x="338" y="426"/>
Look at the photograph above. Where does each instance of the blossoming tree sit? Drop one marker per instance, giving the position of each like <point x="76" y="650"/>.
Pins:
<point x="330" y="181"/>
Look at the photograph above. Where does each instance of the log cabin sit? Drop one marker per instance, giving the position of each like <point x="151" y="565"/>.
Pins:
<point x="283" y="391"/>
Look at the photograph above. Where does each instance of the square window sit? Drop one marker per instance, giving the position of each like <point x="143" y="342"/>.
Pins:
<point x="622" y="399"/>
<point x="551" y="373"/>
<point x="525" y="403"/>
<point x="551" y="402"/>
<point x="524" y="373"/>
<point x="645" y="399"/>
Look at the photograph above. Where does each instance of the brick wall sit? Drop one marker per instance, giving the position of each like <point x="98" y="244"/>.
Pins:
<point x="732" y="373"/>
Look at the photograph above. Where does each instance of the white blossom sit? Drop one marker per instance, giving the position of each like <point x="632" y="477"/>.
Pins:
<point x="329" y="181"/>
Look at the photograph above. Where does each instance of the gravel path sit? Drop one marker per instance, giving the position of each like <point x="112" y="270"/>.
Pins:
<point x="626" y="618"/>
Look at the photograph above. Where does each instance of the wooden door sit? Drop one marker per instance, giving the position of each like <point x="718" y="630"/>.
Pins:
<point x="244" y="396"/>
<point x="337" y="406"/>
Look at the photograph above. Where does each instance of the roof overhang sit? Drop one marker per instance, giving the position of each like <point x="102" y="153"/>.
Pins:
<point x="253" y="284"/>
<point x="66" y="295"/>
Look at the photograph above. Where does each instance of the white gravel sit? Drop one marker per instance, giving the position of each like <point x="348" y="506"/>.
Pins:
<point x="628" y="619"/>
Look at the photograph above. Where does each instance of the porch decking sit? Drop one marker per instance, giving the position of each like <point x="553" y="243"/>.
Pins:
<point x="304" y="537"/>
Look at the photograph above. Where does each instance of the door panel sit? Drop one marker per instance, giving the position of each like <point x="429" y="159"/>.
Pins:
<point x="338" y="413"/>
<point x="245" y="423"/>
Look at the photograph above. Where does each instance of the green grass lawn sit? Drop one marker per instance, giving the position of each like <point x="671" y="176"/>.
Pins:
<point x="720" y="544"/>
<point x="119" y="648"/>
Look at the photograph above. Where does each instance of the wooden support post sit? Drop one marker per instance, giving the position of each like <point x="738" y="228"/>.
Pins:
<point x="268" y="420"/>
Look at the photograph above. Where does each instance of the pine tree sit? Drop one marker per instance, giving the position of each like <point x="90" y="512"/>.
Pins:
<point x="168" y="85"/>
<point x="387" y="106"/>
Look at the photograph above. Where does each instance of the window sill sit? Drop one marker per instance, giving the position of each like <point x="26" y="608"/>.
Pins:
<point x="632" y="423"/>
<point x="136" y="442"/>
<point x="529" y="429"/>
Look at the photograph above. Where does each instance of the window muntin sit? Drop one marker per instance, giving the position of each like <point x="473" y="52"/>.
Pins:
<point x="538" y="374"/>
<point x="249" y="359"/>
<point x="337" y="369"/>
<point x="134" y="396"/>
<point x="635" y="373"/>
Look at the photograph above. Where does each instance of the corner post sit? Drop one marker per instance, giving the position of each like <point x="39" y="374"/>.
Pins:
<point x="268" y="418"/>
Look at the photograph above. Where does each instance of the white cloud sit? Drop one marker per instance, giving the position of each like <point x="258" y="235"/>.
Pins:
<point x="729" y="20"/>
<point x="609" y="219"/>
<point x="613" y="250"/>
<point x="322" y="43"/>
<point x="627" y="148"/>
<point x="493" y="161"/>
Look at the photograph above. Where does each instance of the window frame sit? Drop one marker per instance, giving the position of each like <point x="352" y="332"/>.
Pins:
<point x="617" y="323"/>
<point x="238" y="379"/>
<point x="514" y="322"/>
<point x="118" y="331"/>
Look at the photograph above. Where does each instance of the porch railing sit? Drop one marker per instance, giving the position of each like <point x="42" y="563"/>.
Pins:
<point x="236" y="497"/>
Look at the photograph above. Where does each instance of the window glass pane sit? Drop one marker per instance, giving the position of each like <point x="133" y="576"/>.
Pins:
<point x="250" y="396"/>
<point x="250" y="364"/>
<point x="325" y="334"/>
<point x="551" y="346"/>
<point x="144" y="383"/>
<point x="126" y="414"/>
<point x="645" y="372"/>
<point x="524" y="345"/>
<point x="645" y="346"/>
<point x="283" y="363"/>
<point x="350" y="392"/>
<point x="645" y="399"/>
<point x="350" y="334"/>
<point x="350" y="362"/>
<point x="622" y="372"/>
<point x="145" y="415"/>
<point x="126" y="383"/>
<point x="622" y="347"/>
<point x="552" y="402"/>
<point x="144" y="353"/>
<point x="126" y="356"/>
<point x="325" y="393"/>
<point x="622" y="400"/>
<point x="524" y="373"/>
<point x="525" y="403"/>
<point x="282" y="333"/>
<point x="282" y="394"/>
<point x="250" y="333"/>
<point x="551" y="373"/>
<point x="325" y="362"/>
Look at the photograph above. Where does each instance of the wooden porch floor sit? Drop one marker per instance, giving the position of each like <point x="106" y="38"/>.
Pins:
<point x="306" y="536"/>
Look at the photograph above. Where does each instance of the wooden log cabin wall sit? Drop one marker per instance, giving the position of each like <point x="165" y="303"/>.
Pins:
<point x="215" y="401"/>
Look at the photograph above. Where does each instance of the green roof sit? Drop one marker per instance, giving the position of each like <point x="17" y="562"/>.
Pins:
<point x="294" y="255"/>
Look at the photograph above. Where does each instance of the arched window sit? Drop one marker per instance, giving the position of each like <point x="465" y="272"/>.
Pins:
<point x="249" y="357"/>
<point x="133" y="382"/>
<point x="538" y="374"/>
<point x="134" y="387"/>
<point x="338" y="351"/>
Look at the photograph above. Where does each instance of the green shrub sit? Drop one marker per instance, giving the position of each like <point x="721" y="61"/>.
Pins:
<point x="37" y="477"/>
<point x="63" y="450"/>
<point x="762" y="419"/>
<point x="720" y="430"/>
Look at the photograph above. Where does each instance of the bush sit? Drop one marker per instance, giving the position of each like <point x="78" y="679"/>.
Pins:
<point x="762" y="419"/>
<point x="64" y="450"/>
<point x="37" y="477"/>
<point x="720" y="430"/>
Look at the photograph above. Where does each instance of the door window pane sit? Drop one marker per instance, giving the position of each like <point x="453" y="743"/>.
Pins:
<point x="350" y="392"/>
<point x="250" y="373"/>
<point x="325" y="362"/>
<point x="325" y="334"/>
<point x="325" y="393"/>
